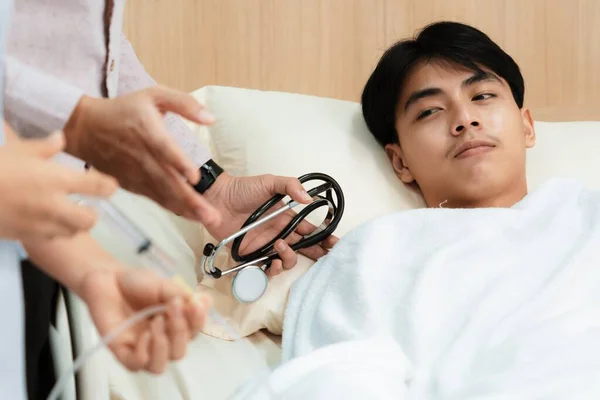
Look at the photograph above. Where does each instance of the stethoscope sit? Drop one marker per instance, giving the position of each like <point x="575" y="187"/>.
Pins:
<point x="250" y="280"/>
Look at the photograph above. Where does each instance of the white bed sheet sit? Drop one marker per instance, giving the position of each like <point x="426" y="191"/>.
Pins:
<point x="212" y="369"/>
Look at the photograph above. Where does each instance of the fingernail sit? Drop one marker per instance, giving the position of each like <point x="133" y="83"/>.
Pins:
<point x="206" y="117"/>
<point x="280" y="246"/>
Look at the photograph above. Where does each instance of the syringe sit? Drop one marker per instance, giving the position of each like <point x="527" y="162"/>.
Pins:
<point x="150" y="253"/>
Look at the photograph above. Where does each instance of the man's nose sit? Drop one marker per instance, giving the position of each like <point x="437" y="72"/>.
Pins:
<point x="465" y="118"/>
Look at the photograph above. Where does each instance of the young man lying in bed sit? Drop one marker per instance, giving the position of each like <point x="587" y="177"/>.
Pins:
<point x="491" y="290"/>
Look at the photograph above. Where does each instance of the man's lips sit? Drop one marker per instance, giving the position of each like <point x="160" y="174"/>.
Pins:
<point x="473" y="147"/>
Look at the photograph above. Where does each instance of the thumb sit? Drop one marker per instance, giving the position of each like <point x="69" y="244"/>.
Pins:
<point x="146" y="287"/>
<point x="289" y="186"/>
<point x="181" y="103"/>
<point x="44" y="148"/>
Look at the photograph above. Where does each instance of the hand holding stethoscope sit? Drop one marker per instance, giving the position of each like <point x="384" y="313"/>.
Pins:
<point x="271" y="223"/>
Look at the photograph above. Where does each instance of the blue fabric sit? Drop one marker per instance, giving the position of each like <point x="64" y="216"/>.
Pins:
<point x="12" y="350"/>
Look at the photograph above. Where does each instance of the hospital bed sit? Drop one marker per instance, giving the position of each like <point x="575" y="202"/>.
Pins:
<point x="288" y="134"/>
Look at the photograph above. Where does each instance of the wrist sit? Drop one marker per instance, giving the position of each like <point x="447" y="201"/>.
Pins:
<point x="104" y="264"/>
<point x="209" y="172"/>
<point x="87" y="287"/>
<point x="70" y="261"/>
<point x="76" y="126"/>
<point x="217" y="193"/>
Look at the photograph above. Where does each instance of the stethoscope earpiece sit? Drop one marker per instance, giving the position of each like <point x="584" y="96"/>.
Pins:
<point x="250" y="280"/>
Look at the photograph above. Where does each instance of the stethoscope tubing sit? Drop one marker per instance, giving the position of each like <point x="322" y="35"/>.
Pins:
<point x="265" y="255"/>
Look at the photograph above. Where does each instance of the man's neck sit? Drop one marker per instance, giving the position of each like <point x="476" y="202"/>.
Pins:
<point x="504" y="199"/>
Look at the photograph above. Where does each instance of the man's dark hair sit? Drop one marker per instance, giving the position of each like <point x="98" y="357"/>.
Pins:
<point x="447" y="42"/>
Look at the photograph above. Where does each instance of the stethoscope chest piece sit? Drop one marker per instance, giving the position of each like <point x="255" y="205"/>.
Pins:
<point x="249" y="284"/>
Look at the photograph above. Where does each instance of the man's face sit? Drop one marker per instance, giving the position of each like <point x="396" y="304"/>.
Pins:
<point x="462" y="136"/>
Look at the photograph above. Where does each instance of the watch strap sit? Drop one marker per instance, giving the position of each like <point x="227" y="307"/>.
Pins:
<point x="209" y="172"/>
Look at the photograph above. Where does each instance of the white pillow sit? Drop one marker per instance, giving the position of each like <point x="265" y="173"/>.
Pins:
<point x="289" y="134"/>
<point x="565" y="149"/>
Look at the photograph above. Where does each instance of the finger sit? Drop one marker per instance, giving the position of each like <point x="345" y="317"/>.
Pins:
<point x="293" y="238"/>
<point x="329" y="242"/>
<point x="178" y="329"/>
<point x="91" y="183"/>
<point x="165" y="150"/>
<point x="305" y="228"/>
<point x="196" y="313"/>
<point x="159" y="353"/>
<point x="133" y="359"/>
<point x="314" y="252"/>
<point x="74" y="217"/>
<point x="175" y="288"/>
<point x="45" y="148"/>
<point x="177" y="196"/>
<point x="49" y="230"/>
<point x="287" y="256"/>
<point x="275" y="269"/>
<point x="142" y="352"/>
<point x="289" y="186"/>
<point x="181" y="103"/>
<point x="145" y="287"/>
<point x="199" y="209"/>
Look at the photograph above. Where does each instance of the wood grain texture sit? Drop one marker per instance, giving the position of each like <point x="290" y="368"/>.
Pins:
<point x="329" y="47"/>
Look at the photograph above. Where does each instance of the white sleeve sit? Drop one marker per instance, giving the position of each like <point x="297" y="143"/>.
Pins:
<point x="35" y="103"/>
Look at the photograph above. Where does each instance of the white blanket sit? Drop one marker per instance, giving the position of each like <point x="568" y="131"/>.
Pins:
<point x="484" y="303"/>
<point x="351" y="370"/>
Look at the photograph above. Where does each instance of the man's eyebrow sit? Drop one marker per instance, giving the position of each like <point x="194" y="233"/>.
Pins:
<point x="481" y="76"/>
<point x="420" y="94"/>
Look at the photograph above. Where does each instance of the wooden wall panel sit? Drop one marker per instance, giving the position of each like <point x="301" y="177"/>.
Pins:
<point x="329" y="47"/>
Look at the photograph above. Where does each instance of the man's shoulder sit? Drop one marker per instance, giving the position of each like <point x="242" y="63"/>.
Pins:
<point x="568" y="191"/>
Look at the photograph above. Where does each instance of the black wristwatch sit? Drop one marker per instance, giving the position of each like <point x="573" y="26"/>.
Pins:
<point x="209" y="173"/>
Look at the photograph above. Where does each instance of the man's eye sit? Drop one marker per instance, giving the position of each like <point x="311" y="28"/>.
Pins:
<point x="426" y="113"/>
<point x="483" y="96"/>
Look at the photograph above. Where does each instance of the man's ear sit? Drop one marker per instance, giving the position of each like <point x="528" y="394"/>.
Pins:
<point x="394" y="153"/>
<point x="529" y="129"/>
